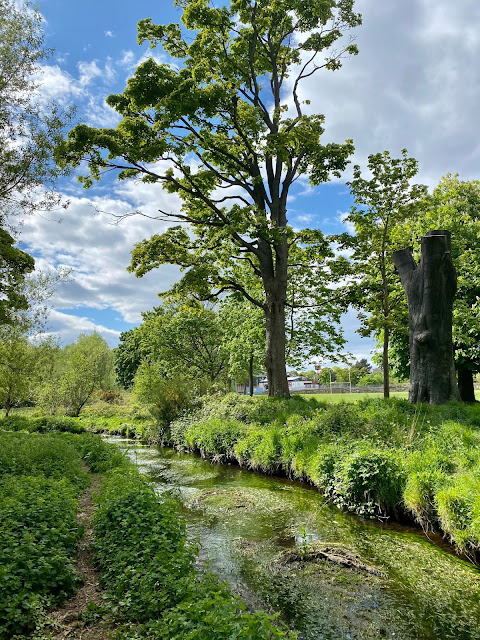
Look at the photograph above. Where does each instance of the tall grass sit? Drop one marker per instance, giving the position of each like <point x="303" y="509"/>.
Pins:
<point x="378" y="458"/>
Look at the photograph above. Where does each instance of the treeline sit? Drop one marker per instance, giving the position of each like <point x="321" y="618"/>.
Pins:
<point x="50" y="377"/>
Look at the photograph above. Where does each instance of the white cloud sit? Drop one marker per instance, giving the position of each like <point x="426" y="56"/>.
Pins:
<point x="68" y="327"/>
<point x="58" y="85"/>
<point x="88" y="71"/>
<point x="109" y="34"/>
<point x="412" y="85"/>
<point x="98" y="251"/>
<point x="128" y="60"/>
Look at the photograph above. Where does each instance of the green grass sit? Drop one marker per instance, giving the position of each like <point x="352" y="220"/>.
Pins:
<point x="375" y="457"/>
<point x="351" y="397"/>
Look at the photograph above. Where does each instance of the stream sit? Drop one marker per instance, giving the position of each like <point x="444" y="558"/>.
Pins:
<point x="331" y="575"/>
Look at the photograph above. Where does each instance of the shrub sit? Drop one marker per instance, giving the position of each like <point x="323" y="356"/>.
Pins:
<point x="320" y="466"/>
<point x="165" y="399"/>
<point x="214" y="437"/>
<point x="369" y="481"/>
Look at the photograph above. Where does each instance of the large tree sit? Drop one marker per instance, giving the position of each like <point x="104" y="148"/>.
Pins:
<point x="15" y="264"/>
<point x="383" y="204"/>
<point x="224" y="127"/>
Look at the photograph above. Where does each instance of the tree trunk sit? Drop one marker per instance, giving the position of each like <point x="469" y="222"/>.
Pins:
<point x="465" y="384"/>
<point x="386" y="366"/>
<point x="275" y="351"/>
<point x="430" y="287"/>
<point x="250" y="374"/>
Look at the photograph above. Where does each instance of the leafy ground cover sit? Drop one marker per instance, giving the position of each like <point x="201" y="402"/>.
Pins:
<point x="153" y="588"/>
<point x="40" y="479"/>
<point x="378" y="458"/>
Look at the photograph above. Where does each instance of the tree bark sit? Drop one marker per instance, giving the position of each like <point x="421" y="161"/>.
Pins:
<point x="386" y="366"/>
<point x="430" y="287"/>
<point x="275" y="364"/>
<point x="250" y="374"/>
<point x="273" y="268"/>
<point x="465" y="384"/>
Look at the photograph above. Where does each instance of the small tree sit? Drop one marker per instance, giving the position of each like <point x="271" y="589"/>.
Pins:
<point x="28" y="132"/>
<point x="244" y="336"/>
<point x="383" y="204"/>
<point x="82" y="368"/>
<point x="17" y="369"/>
<point x="184" y="337"/>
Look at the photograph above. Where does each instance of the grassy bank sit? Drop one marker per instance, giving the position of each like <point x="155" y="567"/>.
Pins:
<point x="352" y="397"/>
<point x="377" y="458"/>
<point x="153" y="588"/>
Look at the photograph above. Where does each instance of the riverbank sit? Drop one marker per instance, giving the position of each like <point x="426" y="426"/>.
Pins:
<point x="151" y="586"/>
<point x="331" y="574"/>
<point x="378" y="458"/>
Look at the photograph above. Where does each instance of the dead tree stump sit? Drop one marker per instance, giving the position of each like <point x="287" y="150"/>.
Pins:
<point x="430" y="287"/>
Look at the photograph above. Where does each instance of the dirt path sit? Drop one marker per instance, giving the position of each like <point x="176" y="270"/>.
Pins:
<point x="80" y="618"/>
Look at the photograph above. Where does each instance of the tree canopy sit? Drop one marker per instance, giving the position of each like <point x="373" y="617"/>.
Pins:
<point x="14" y="265"/>
<point x="383" y="204"/>
<point x="224" y="126"/>
<point x="29" y="131"/>
<point x="183" y="339"/>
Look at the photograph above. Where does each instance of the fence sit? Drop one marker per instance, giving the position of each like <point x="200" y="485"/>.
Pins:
<point x="354" y="389"/>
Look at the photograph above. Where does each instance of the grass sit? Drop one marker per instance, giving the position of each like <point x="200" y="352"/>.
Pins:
<point x="376" y="457"/>
<point x="352" y="397"/>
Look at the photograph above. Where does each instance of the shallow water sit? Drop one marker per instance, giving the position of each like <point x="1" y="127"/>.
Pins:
<point x="248" y="525"/>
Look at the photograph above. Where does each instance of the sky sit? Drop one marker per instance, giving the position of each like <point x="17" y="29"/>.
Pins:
<point x="415" y="85"/>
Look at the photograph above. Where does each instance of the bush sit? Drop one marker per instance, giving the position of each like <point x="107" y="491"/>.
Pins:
<point x="369" y="481"/>
<point x="214" y="437"/>
<point x="165" y="399"/>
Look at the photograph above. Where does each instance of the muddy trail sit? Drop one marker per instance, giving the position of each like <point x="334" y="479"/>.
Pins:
<point x="82" y="617"/>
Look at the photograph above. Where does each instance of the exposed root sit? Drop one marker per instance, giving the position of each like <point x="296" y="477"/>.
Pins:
<point x="339" y="555"/>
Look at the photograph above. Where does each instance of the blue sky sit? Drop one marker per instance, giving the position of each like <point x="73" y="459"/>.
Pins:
<point x="414" y="84"/>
